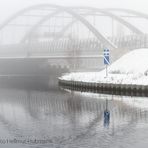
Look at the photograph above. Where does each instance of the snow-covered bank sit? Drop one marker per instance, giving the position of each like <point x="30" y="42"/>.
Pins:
<point x="132" y="68"/>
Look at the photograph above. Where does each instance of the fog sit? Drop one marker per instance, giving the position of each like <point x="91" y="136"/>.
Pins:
<point x="39" y="44"/>
<point x="35" y="31"/>
<point x="8" y="7"/>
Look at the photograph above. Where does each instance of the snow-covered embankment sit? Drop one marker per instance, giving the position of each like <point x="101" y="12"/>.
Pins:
<point x="130" y="69"/>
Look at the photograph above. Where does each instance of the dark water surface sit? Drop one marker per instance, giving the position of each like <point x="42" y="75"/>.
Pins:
<point x="55" y="118"/>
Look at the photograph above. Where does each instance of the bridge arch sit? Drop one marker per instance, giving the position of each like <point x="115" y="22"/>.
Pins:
<point x="78" y="17"/>
<point x="125" y="23"/>
<point x="31" y="30"/>
<point x="117" y="18"/>
<point x="82" y="20"/>
<point x="106" y="11"/>
<point x="143" y="15"/>
<point x="104" y="40"/>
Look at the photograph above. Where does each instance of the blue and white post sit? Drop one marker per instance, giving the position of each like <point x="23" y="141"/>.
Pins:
<point x="106" y="59"/>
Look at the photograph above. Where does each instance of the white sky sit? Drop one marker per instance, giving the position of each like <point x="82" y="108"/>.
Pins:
<point x="8" y="7"/>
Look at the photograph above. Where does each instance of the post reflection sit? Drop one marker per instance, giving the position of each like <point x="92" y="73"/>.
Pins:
<point x="106" y="115"/>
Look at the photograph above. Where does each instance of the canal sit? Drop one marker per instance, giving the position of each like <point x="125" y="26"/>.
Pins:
<point x="57" y="118"/>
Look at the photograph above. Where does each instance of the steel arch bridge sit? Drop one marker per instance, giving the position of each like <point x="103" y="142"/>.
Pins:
<point x="65" y="32"/>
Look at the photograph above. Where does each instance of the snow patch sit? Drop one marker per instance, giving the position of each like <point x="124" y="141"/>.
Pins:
<point x="131" y="68"/>
<point x="134" y="62"/>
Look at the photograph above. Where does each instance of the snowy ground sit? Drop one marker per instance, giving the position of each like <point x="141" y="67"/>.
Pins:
<point x="131" y="68"/>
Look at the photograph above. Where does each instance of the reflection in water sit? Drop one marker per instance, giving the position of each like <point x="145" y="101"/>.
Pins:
<point x="106" y="115"/>
<point x="72" y="119"/>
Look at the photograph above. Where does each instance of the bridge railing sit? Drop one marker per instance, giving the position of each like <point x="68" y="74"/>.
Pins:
<point x="71" y="47"/>
<point x="131" y="42"/>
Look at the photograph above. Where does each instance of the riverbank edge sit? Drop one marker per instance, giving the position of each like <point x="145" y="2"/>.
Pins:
<point x="105" y="88"/>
